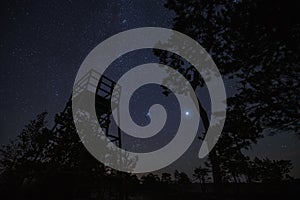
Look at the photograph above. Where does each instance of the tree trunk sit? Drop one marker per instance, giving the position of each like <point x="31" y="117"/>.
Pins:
<point x="216" y="170"/>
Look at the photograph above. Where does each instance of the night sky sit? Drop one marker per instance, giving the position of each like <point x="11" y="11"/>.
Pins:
<point x="43" y="43"/>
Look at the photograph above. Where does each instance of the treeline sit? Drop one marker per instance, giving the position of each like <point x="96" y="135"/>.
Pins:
<point x="55" y="164"/>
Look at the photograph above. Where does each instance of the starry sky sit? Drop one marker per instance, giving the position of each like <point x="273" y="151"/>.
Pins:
<point x="43" y="43"/>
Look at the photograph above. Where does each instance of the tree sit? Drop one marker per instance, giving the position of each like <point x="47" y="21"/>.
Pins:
<point x="41" y="160"/>
<point x="257" y="45"/>
<point x="202" y="176"/>
<point x="181" y="178"/>
<point x="270" y="171"/>
<point x="202" y="21"/>
<point x="150" y="180"/>
<point x="26" y="157"/>
<point x="268" y="51"/>
<point x="166" y="178"/>
<point x="262" y="56"/>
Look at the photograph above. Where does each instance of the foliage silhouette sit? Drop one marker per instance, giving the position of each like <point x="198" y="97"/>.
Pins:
<point x="257" y="45"/>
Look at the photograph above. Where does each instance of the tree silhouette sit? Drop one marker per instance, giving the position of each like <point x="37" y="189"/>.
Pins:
<point x="166" y="178"/>
<point x="181" y="178"/>
<point x="270" y="171"/>
<point x="201" y="174"/>
<point x="257" y="45"/>
<point x="24" y="158"/>
<point x="150" y="179"/>
<point x="41" y="161"/>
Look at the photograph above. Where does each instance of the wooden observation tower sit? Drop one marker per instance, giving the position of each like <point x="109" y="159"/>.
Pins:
<point x="105" y="101"/>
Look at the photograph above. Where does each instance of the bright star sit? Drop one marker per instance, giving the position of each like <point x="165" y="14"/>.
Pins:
<point x="187" y="113"/>
<point x="148" y="114"/>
